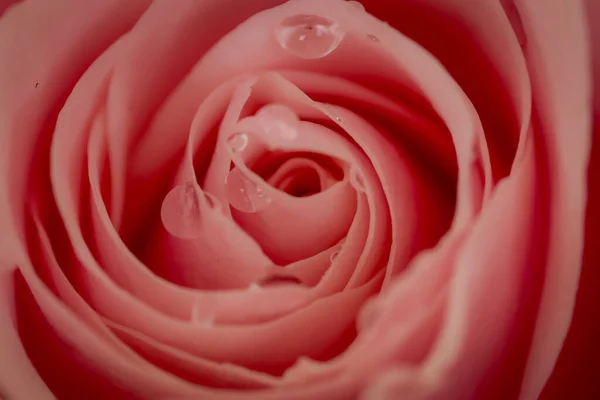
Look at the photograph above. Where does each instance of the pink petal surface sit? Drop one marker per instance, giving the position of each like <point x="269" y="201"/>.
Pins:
<point x="562" y="90"/>
<point x="482" y="53"/>
<point x="118" y="116"/>
<point x="575" y="372"/>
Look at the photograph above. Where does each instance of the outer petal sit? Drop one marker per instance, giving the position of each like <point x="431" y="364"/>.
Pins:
<point x="562" y="92"/>
<point x="53" y="55"/>
<point x="577" y="369"/>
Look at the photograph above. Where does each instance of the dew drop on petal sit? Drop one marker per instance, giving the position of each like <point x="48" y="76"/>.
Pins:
<point x="309" y="36"/>
<point x="254" y="287"/>
<point x="200" y="320"/>
<point x="334" y="255"/>
<point x="373" y="38"/>
<point x="279" y="121"/>
<point x="180" y="212"/>
<point x="237" y="142"/>
<point x="357" y="180"/>
<point x="195" y="313"/>
<point x="279" y="279"/>
<point x="243" y="194"/>
<point x="357" y="5"/>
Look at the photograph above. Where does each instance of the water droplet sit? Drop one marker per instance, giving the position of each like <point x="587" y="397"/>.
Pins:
<point x="199" y="319"/>
<point x="357" y="5"/>
<point x="254" y="287"/>
<point x="243" y="194"/>
<point x="356" y="180"/>
<point x="180" y="212"/>
<point x="337" y="119"/>
<point x="373" y="38"/>
<point x="368" y="315"/>
<point x="309" y="36"/>
<point x="237" y="142"/>
<point x="279" y="121"/>
<point x="195" y="313"/>
<point x="334" y="255"/>
<point x="278" y="279"/>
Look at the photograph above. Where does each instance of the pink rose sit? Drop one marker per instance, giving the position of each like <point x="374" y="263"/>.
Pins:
<point x="234" y="199"/>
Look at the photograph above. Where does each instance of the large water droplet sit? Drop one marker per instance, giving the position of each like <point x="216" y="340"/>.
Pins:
<point x="237" y="142"/>
<point x="309" y="36"/>
<point x="180" y="212"/>
<point x="279" y="121"/>
<point x="243" y="194"/>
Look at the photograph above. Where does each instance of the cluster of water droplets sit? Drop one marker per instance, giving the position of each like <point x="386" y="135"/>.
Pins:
<point x="246" y="192"/>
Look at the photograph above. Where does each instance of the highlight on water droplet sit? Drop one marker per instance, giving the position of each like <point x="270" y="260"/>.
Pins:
<point x="356" y="179"/>
<point x="245" y="195"/>
<point x="180" y="212"/>
<point x="238" y="142"/>
<point x="309" y="36"/>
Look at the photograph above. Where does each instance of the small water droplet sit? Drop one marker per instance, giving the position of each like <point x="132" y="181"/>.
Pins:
<point x="309" y="36"/>
<point x="278" y="279"/>
<point x="373" y="38"/>
<point x="357" y="5"/>
<point x="206" y="323"/>
<point x="180" y="212"/>
<point x="243" y="194"/>
<point x="195" y="313"/>
<point x="254" y="287"/>
<point x="334" y="255"/>
<point x="237" y="142"/>
<point x="337" y="119"/>
<point x="356" y="180"/>
<point x="368" y="315"/>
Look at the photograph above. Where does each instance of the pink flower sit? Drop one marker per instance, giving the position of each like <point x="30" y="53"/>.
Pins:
<point x="233" y="199"/>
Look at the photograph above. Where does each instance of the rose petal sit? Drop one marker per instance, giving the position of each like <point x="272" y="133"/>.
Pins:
<point x="16" y="367"/>
<point x="562" y="91"/>
<point x="483" y="55"/>
<point x="54" y="54"/>
<point x="575" y="371"/>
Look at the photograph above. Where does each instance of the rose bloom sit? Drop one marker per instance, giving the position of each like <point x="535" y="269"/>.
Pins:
<point x="305" y="199"/>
